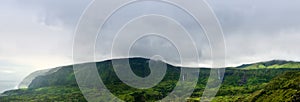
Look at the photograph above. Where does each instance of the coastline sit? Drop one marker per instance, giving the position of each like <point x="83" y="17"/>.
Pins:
<point x="7" y="85"/>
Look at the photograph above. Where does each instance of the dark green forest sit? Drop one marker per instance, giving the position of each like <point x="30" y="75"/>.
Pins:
<point x="264" y="81"/>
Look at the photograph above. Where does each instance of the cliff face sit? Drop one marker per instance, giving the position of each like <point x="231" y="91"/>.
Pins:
<point x="239" y="84"/>
<point x="28" y="79"/>
<point x="64" y="76"/>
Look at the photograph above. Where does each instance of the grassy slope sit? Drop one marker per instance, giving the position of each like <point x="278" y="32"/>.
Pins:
<point x="272" y="64"/>
<point x="238" y="85"/>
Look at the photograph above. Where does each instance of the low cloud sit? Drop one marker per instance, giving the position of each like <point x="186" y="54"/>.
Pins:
<point x="39" y="33"/>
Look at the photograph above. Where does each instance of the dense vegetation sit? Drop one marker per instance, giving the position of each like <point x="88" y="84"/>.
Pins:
<point x="245" y="83"/>
<point x="285" y="87"/>
<point x="45" y="94"/>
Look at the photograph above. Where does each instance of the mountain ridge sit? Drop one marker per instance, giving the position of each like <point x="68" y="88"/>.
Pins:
<point x="243" y="66"/>
<point x="271" y="64"/>
<point x="61" y="85"/>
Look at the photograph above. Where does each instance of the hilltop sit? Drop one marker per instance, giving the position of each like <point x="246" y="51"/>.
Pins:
<point x="271" y="64"/>
<point x="59" y="84"/>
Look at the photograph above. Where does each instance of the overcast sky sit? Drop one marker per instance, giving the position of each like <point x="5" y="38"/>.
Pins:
<point x="38" y="34"/>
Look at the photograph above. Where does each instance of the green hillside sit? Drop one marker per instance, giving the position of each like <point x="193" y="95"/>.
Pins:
<point x="285" y="87"/>
<point x="271" y="64"/>
<point x="238" y="84"/>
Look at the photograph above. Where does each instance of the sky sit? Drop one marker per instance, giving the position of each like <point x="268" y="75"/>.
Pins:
<point x="38" y="34"/>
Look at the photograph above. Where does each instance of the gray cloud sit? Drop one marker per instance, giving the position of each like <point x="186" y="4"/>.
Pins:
<point x="266" y="16"/>
<point x="27" y="43"/>
<point x="258" y="30"/>
<point x="38" y="33"/>
<point x="55" y="12"/>
<point x="245" y="23"/>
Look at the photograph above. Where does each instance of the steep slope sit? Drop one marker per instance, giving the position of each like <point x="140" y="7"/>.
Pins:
<point x="238" y="84"/>
<point x="28" y="79"/>
<point x="65" y="75"/>
<point x="63" y="83"/>
<point x="285" y="87"/>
